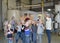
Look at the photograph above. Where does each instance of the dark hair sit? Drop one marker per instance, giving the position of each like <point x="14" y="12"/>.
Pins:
<point x="38" y="20"/>
<point x="11" y="29"/>
<point x="8" y="31"/>
<point x="6" y="19"/>
<point x="27" y="19"/>
<point x="58" y="12"/>
<point x="25" y="14"/>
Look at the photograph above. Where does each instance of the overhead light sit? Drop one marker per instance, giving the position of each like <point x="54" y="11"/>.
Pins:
<point x="48" y="9"/>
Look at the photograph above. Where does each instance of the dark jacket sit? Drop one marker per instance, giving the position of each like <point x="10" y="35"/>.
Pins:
<point x="34" y="28"/>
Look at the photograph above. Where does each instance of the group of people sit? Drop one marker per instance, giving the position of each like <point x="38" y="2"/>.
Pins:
<point x="28" y="30"/>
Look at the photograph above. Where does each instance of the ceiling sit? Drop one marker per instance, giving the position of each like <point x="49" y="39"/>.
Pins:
<point x="48" y="4"/>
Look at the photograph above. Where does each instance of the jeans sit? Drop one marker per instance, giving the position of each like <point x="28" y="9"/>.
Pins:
<point x="10" y="41"/>
<point x="55" y="30"/>
<point x="27" y="38"/>
<point x="34" y="37"/>
<point x="18" y="35"/>
<point x="23" y="37"/>
<point x="31" y="36"/>
<point x="48" y="32"/>
<point x="40" y="38"/>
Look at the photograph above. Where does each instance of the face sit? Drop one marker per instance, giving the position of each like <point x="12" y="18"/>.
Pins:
<point x="20" y="23"/>
<point x="47" y="18"/>
<point x="40" y="21"/>
<point x="23" y="22"/>
<point x="39" y="17"/>
<point x="32" y="22"/>
<point x="27" y="23"/>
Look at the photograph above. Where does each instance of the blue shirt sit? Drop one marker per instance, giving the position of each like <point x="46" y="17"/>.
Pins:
<point x="27" y="32"/>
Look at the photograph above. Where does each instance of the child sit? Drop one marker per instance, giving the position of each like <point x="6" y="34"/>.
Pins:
<point x="27" y="31"/>
<point x="18" y="35"/>
<point x="40" y="31"/>
<point x="9" y="33"/>
<point x="10" y="36"/>
<point x="34" y="31"/>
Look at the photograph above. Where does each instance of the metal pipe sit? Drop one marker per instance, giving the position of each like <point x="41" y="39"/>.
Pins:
<point x="42" y="6"/>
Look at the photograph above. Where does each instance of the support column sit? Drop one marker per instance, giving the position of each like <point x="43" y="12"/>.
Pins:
<point x="42" y="6"/>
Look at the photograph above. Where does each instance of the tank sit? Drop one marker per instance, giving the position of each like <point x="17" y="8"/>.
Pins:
<point x="57" y="8"/>
<point x="15" y="13"/>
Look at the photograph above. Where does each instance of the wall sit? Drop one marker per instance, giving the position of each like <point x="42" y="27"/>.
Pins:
<point x="6" y="5"/>
<point x="11" y="4"/>
<point x="25" y="1"/>
<point x="4" y="9"/>
<point x="40" y="1"/>
<point x="0" y="14"/>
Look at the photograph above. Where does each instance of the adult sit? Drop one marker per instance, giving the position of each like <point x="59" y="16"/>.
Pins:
<point x="48" y="27"/>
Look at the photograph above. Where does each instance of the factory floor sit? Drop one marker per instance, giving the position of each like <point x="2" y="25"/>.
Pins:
<point x="54" y="38"/>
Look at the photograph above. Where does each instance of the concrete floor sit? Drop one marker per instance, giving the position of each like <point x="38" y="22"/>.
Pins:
<point x="55" y="38"/>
